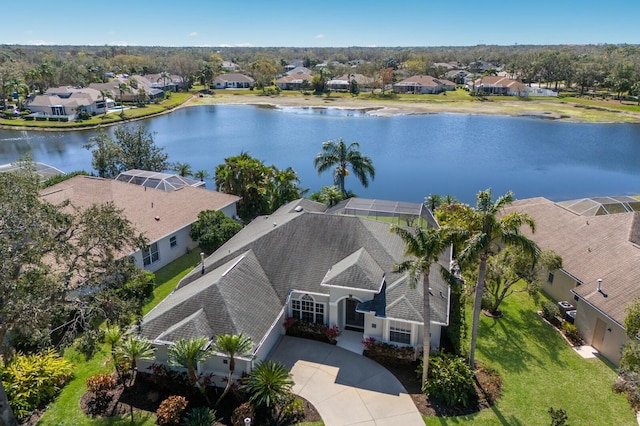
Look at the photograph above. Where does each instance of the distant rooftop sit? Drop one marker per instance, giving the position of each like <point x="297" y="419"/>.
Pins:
<point x="157" y="180"/>
<point x="599" y="206"/>
<point x="398" y="212"/>
<point x="44" y="170"/>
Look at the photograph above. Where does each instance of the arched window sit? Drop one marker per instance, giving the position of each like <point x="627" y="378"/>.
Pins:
<point x="306" y="309"/>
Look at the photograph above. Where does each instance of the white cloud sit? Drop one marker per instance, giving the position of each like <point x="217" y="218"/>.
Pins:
<point x="319" y="36"/>
<point x="118" y="43"/>
<point x="193" y="34"/>
<point x="40" y="42"/>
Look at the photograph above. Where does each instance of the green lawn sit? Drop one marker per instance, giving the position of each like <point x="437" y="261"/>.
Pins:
<point x="65" y="410"/>
<point x="540" y="371"/>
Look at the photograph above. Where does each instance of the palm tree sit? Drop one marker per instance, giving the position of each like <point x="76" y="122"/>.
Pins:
<point x="188" y="353"/>
<point x="424" y="246"/>
<point x="485" y="234"/>
<point x="133" y="348"/>
<point x="105" y="94"/>
<point x="341" y="156"/>
<point x="112" y="337"/>
<point x="164" y="76"/>
<point x="201" y="174"/>
<point x="232" y="345"/>
<point x="183" y="169"/>
<point x="268" y="384"/>
<point x="122" y="87"/>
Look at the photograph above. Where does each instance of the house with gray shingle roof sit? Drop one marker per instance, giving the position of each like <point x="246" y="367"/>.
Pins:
<point x="597" y="247"/>
<point x="302" y="262"/>
<point x="423" y="84"/>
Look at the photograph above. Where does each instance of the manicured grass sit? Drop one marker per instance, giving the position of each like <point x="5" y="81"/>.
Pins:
<point x="175" y="100"/>
<point x="540" y="371"/>
<point x="66" y="409"/>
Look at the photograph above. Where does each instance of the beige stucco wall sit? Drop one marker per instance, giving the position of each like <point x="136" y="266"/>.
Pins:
<point x="561" y="287"/>
<point x="614" y="335"/>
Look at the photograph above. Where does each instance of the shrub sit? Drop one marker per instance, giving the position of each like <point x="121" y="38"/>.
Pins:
<point x="332" y="333"/>
<point x="571" y="331"/>
<point x="558" y="417"/>
<point x="385" y="351"/>
<point x="41" y="118"/>
<point x="32" y="381"/>
<point x="100" y="384"/>
<point x="170" y="410"/>
<point x="200" y="416"/>
<point x="450" y="381"/>
<point x="242" y="412"/>
<point x="293" y="410"/>
<point x="368" y="343"/>
<point x="550" y="312"/>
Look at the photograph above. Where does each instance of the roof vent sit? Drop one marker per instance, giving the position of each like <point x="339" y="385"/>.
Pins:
<point x="298" y="209"/>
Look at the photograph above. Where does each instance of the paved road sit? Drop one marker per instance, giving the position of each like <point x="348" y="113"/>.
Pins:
<point x="345" y="388"/>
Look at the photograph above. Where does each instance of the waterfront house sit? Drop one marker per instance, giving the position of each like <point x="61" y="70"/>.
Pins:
<point x="599" y="241"/>
<point x="308" y="263"/>
<point x="164" y="216"/>
<point x="233" y="81"/>
<point x="423" y="84"/>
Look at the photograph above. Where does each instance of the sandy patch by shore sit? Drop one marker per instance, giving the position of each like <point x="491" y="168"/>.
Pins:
<point x="532" y="108"/>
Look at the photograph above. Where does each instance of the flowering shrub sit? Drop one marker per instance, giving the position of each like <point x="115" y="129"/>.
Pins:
<point x="572" y="333"/>
<point x="381" y="350"/>
<point x="368" y="343"/>
<point x="171" y="410"/>
<point x="100" y="384"/>
<point x="332" y="333"/>
<point x="310" y="330"/>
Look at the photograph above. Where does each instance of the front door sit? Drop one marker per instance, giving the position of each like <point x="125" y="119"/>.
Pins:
<point x="354" y="320"/>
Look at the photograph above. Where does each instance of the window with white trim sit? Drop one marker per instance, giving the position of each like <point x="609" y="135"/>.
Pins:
<point x="173" y="241"/>
<point x="150" y="254"/>
<point x="399" y="332"/>
<point x="307" y="309"/>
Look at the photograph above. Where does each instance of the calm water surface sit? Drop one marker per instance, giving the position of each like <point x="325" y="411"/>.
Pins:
<point x="414" y="155"/>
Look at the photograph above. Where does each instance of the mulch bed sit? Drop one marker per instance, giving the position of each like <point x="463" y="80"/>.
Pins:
<point x="488" y="387"/>
<point x="147" y="396"/>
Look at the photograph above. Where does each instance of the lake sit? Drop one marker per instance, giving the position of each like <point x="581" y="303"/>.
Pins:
<point x="414" y="155"/>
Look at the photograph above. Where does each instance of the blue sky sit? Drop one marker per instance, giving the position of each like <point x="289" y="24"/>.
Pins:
<point x="324" y="23"/>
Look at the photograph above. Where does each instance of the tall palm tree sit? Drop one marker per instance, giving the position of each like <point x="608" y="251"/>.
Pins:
<point x="134" y="348"/>
<point x="201" y="174"/>
<point x="268" y="384"/>
<point x="112" y="337"/>
<point x="183" y="169"/>
<point x="188" y="353"/>
<point x="105" y="94"/>
<point x="122" y="87"/>
<point x="486" y="233"/>
<point x="232" y="345"/>
<point x="424" y="247"/>
<point x="341" y="155"/>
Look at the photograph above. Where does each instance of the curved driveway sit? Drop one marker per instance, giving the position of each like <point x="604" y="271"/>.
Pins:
<point x="346" y="388"/>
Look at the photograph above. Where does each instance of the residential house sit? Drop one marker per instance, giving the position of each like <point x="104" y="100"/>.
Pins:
<point x="600" y="257"/>
<point x="306" y="263"/>
<point x="134" y="84"/>
<point x="68" y="101"/>
<point x="457" y="76"/>
<point x="43" y="170"/>
<point x="496" y="85"/>
<point x="294" y="81"/>
<point x="166" y="82"/>
<point x="229" y="66"/>
<point x="423" y="84"/>
<point x="233" y="81"/>
<point x="343" y="82"/>
<point x="164" y="217"/>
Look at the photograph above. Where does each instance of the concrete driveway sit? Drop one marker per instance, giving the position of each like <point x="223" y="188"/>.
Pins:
<point x="346" y="388"/>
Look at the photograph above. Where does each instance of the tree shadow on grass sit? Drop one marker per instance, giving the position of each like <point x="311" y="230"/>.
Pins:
<point x="516" y="340"/>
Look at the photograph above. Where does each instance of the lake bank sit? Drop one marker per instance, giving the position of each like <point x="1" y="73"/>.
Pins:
<point x="545" y="109"/>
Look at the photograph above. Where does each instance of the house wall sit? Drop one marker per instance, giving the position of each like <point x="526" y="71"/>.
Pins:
<point x="336" y="302"/>
<point x="373" y="326"/>
<point x="218" y="365"/>
<point x="168" y="254"/>
<point x="272" y="338"/>
<point x="611" y="344"/>
<point x="560" y="288"/>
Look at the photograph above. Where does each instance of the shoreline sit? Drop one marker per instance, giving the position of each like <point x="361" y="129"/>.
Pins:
<point x="539" y="109"/>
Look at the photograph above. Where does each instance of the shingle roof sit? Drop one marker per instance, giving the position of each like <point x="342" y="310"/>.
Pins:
<point x="357" y="271"/>
<point x="591" y="248"/>
<point x="295" y="250"/>
<point x="153" y="212"/>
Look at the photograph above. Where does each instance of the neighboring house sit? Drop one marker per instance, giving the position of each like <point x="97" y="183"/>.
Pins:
<point x="423" y="84"/>
<point x="343" y="82"/>
<point x="302" y="262"/>
<point x="134" y="84"/>
<point x="233" y="81"/>
<point x="166" y="83"/>
<point x="496" y="85"/>
<point x="66" y="101"/>
<point x="457" y="76"/>
<point x="594" y="246"/>
<point x="164" y="217"/>
<point x="297" y="70"/>
<point x="229" y="66"/>
<point x="294" y="81"/>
